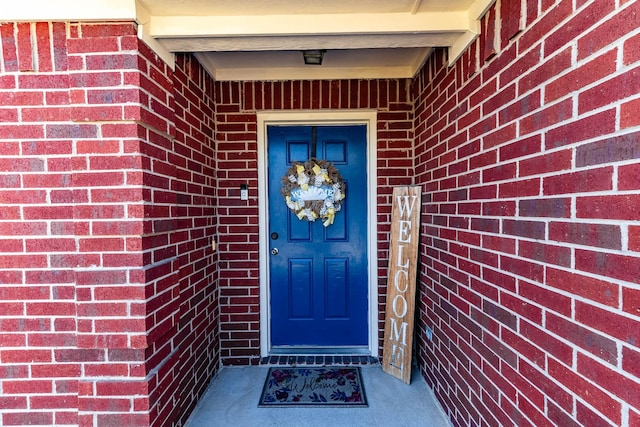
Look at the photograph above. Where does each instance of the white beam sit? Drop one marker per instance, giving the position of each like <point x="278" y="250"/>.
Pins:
<point x="461" y="45"/>
<point x="476" y="12"/>
<point x="268" y="43"/>
<point x="143" y="18"/>
<point x="68" y="10"/>
<point x="327" y="24"/>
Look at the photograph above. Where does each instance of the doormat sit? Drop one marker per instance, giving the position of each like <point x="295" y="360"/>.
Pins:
<point x="321" y="387"/>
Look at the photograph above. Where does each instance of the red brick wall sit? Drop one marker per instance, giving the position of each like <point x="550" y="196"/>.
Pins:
<point x="528" y="150"/>
<point x="108" y="298"/>
<point x="115" y="310"/>
<point x="196" y="220"/>
<point x="236" y="106"/>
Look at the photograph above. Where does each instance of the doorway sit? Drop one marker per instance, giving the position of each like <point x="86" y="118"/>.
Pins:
<point x="318" y="268"/>
<point x="318" y="283"/>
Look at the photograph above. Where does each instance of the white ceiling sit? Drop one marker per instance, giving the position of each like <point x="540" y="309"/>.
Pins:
<point x="263" y="39"/>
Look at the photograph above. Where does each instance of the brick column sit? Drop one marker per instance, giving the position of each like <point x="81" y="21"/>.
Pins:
<point x="105" y="229"/>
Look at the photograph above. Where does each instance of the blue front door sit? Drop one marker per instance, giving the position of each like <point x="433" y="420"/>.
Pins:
<point x="318" y="275"/>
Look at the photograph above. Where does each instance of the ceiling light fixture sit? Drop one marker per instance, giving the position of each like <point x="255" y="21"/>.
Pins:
<point x="313" y="57"/>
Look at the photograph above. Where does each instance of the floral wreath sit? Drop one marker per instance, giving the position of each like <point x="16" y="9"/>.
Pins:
<point x="313" y="189"/>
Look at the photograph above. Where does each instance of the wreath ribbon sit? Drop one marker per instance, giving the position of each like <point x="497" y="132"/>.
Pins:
<point x="313" y="190"/>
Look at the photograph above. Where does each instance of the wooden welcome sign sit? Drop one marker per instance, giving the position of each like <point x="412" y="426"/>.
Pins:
<point x="401" y="282"/>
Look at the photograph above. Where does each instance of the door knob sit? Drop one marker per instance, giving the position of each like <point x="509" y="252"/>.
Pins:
<point x="274" y="251"/>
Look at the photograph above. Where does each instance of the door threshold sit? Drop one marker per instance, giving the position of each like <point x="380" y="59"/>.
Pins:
<point x="318" y="360"/>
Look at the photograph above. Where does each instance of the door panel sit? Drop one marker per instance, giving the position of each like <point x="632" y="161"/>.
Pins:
<point x="337" y="289"/>
<point x="300" y="293"/>
<point x="299" y="231"/>
<point x="319" y="276"/>
<point x="337" y="232"/>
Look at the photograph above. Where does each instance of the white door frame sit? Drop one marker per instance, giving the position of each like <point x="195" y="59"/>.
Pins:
<point x="324" y="117"/>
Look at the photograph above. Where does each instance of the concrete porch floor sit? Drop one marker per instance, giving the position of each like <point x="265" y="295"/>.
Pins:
<point x="232" y="400"/>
